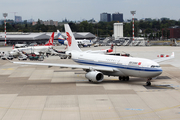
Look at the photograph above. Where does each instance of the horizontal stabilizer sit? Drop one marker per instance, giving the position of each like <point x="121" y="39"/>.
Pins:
<point x="164" y="58"/>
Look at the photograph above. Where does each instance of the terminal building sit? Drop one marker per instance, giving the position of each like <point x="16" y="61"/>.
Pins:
<point x="40" y="38"/>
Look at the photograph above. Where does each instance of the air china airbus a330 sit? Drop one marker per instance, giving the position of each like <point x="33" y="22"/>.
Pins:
<point x="98" y="65"/>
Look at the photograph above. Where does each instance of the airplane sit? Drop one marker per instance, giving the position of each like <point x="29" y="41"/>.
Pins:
<point x="62" y="54"/>
<point x="20" y="45"/>
<point x="103" y="51"/>
<point x="98" y="65"/>
<point x="83" y="43"/>
<point x="50" y="43"/>
<point x="61" y="39"/>
<point x="34" y="49"/>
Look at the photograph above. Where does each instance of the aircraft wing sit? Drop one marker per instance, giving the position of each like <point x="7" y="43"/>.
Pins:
<point x="164" y="58"/>
<point x="73" y="66"/>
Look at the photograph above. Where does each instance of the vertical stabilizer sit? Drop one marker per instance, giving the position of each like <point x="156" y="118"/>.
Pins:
<point x="60" y="37"/>
<point x="50" y="43"/>
<point x="72" y="44"/>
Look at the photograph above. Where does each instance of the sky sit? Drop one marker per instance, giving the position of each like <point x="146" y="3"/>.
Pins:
<point x="77" y="10"/>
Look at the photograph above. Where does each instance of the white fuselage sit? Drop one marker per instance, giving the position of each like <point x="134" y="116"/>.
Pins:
<point x="123" y="66"/>
<point x="20" y="45"/>
<point x="33" y="49"/>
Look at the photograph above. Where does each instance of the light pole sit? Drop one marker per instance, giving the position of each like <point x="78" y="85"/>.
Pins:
<point x="5" y="15"/>
<point x="133" y="12"/>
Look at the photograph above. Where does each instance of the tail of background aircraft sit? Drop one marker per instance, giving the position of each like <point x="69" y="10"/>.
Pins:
<point x="72" y="44"/>
<point x="50" y="43"/>
<point x="61" y="39"/>
<point x="111" y="49"/>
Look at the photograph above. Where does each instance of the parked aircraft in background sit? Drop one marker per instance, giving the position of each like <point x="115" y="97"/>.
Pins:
<point x="50" y="43"/>
<point x="83" y="43"/>
<point x="61" y="39"/>
<point x="34" y="49"/>
<point x="104" y="51"/>
<point x="98" y="65"/>
<point x="20" y="45"/>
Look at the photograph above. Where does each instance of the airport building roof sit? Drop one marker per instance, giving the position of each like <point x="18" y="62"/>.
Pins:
<point x="19" y="36"/>
<point x="31" y="36"/>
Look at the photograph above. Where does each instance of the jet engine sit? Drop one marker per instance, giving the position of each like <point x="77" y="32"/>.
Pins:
<point x="95" y="76"/>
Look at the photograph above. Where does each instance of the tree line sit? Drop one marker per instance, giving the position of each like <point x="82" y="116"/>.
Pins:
<point x="150" y="29"/>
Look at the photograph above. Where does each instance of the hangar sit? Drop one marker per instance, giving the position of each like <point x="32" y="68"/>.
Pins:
<point x="20" y="37"/>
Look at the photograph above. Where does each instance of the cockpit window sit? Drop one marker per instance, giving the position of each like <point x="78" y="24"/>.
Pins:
<point x="155" y="66"/>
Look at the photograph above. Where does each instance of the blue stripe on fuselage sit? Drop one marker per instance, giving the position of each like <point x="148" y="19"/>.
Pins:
<point x="118" y="65"/>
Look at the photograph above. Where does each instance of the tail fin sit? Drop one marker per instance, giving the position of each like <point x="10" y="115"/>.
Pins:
<point x="72" y="44"/>
<point x="60" y="36"/>
<point x="61" y="39"/>
<point x="111" y="49"/>
<point x="50" y="43"/>
<point x="112" y="46"/>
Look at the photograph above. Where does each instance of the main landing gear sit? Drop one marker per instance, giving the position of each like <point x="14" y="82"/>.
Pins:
<point x="148" y="83"/>
<point x="124" y="78"/>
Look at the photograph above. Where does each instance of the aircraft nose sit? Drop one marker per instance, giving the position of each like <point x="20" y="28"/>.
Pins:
<point x="159" y="72"/>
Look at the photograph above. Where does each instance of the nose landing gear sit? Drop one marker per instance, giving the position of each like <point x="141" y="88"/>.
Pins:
<point x="148" y="83"/>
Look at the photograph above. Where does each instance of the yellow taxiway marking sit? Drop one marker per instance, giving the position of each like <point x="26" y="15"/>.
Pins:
<point x="105" y="109"/>
<point x="8" y="69"/>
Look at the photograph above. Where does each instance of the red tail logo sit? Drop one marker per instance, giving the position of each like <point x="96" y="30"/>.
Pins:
<point x="69" y="39"/>
<point x="50" y="40"/>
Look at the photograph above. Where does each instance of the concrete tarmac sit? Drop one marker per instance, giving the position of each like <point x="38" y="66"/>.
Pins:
<point x="29" y="92"/>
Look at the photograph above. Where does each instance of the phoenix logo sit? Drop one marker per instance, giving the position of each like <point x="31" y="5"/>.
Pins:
<point x="69" y="39"/>
<point x="50" y="41"/>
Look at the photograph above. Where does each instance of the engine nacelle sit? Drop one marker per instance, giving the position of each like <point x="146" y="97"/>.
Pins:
<point x="95" y="76"/>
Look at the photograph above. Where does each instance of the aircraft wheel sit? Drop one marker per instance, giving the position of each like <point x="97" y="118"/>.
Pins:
<point x="124" y="78"/>
<point x="90" y="81"/>
<point x="127" y="78"/>
<point x="148" y="83"/>
<point x="120" y="78"/>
